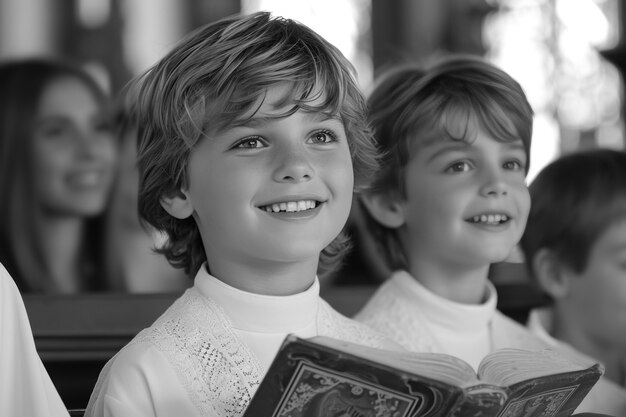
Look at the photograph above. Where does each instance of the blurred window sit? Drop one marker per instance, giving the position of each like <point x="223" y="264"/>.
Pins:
<point x="553" y="48"/>
<point x="344" y="23"/>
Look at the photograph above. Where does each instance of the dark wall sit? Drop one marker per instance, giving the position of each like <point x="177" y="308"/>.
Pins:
<point x="413" y="30"/>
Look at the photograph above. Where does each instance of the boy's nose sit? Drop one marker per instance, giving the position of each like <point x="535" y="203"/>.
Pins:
<point x="494" y="184"/>
<point x="293" y="166"/>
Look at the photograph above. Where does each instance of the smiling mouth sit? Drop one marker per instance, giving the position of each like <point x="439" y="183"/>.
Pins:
<point x="86" y="179"/>
<point x="290" y="206"/>
<point x="489" y="219"/>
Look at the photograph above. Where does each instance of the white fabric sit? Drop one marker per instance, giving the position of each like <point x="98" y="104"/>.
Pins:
<point x="263" y="321"/>
<point x="422" y="321"/>
<point x="25" y="387"/>
<point x="206" y="355"/>
<point x="606" y="396"/>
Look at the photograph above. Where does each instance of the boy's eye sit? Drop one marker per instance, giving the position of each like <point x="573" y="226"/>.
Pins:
<point x="513" y="165"/>
<point x="253" y="142"/>
<point x="460" y="166"/>
<point x="323" y="136"/>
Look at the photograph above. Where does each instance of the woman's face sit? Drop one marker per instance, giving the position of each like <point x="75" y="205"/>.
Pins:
<point x="74" y="150"/>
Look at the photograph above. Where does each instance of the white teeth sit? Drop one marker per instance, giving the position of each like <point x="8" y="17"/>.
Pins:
<point x="490" y="218"/>
<point x="290" y="206"/>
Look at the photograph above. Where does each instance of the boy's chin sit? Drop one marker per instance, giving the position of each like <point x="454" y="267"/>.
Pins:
<point x="497" y="255"/>
<point x="504" y="250"/>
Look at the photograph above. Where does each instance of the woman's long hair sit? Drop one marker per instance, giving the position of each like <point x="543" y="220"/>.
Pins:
<point x="22" y="83"/>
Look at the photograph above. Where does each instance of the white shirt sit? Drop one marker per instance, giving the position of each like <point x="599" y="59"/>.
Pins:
<point x="25" y="386"/>
<point x="606" y="396"/>
<point x="263" y="321"/>
<point x="206" y="355"/>
<point x="422" y="321"/>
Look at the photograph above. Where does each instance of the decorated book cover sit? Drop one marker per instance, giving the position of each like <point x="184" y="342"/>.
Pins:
<point x="323" y="377"/>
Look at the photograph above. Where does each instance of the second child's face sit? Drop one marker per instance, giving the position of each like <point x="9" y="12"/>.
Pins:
<point x="598" y="294"/>
<point x="466" y="203"/>
<point x="274" y="191"/>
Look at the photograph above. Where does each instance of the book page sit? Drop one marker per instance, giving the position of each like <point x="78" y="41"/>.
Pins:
<point x="439" y="366"/>
<point x="505" y="367"/>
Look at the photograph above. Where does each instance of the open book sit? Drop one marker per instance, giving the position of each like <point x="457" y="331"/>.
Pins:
<point x="324" y="377"/>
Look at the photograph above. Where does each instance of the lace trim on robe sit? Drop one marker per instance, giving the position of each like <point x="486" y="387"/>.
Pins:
<point x="217" y="370"/>
<point x="333" y="324"/>
<point x="405" y="324"/>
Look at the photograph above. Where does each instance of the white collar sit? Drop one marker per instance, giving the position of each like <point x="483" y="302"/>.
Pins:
<point x="466" y="318"/>
<point x="260" y="313"/>
<point x="540" y="323"/>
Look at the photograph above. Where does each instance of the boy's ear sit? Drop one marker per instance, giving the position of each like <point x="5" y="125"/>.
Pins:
<point x="551" y="274"/>
<point x="385" y="209"/>
<point x="178" y="204"/>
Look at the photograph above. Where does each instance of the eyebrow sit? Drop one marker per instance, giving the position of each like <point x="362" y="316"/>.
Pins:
<point x="458" y="145"/>
<point x="450" y="146"/>
<point x="256" y="121"/>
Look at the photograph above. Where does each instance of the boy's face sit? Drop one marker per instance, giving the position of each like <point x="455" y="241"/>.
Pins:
<point x="466" y="203"/>
<point x="275" y="191"/>
<point x="597" y="295"/>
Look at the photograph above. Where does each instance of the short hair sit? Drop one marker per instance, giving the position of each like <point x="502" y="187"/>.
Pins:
<point x="22" y="84"/>
<point x="213" y="79"/>
<point x="411" y="105"/>
<point x="575" y="199"/>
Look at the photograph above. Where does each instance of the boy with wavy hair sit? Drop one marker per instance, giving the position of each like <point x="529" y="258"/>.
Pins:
<point x="449" y="200"/>
<point x="253" y="137"/>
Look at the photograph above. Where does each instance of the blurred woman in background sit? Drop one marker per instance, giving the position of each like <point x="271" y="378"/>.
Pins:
<point x="57" y="162"/>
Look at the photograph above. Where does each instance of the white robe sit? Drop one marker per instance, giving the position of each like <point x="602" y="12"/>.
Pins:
<point x="206" y="355"/>
<point x="606" y="396"/>
<point x="421" y="321"/>
<point x="25" y="387"/>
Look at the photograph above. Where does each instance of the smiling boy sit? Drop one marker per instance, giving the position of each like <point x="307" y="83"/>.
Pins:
<point x="450" y="200"/>
<point x="285" y="189"/>
<point x="253" y="137"/>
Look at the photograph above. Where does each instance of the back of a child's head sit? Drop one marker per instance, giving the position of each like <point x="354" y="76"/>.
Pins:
<point x="452" y="99"/>
<point x="212" y="80"/>
<point x="575" y="199"/>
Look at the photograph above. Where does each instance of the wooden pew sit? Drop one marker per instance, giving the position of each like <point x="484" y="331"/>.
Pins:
<point x="76" y="334"/>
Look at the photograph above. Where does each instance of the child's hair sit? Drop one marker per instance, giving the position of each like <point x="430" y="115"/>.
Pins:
<point x="575" y="199"/>
<point x="213" y="80"/>
<point x="22" y="84"/>
<point x="450" y="100"/>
